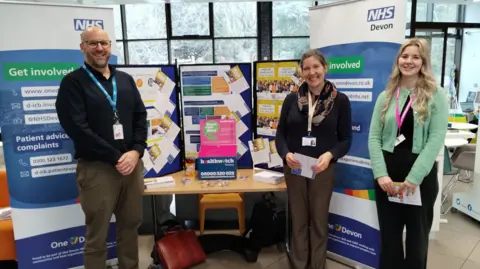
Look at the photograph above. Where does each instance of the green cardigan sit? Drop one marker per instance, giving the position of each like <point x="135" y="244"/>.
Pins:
<point x="428" y="138"/>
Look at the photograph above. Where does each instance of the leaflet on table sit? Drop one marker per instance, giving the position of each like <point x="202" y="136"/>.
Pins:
<point x="306" y="168"/>
<point x="160" y="127"/>
<point x="404" y="198"/>
<point x="260" y="150"/>
<point x="275" y="159"/>
<point x="275" y="81"/>
<point x="159" y="153"/>
<point x="265" y="151"/>
<point x="235" y="80"/>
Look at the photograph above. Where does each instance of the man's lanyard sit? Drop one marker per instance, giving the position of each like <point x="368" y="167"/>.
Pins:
<point x="311" y="111"/>
<point x="404" y="114"/>
<point x="113" y="102"/>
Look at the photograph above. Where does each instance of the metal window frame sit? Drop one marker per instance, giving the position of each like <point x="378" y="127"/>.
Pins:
<point x="170" y="37"/>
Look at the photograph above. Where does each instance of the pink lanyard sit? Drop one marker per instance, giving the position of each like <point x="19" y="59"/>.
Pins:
<point x="404" y="114"/>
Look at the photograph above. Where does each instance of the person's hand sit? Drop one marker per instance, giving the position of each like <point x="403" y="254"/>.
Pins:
<point x="408" y="186"/>
<point x="322" y="163"/>
<point x="292" y="162"/>
<point x="127" y="162"/>
<point x="386" y="184"/>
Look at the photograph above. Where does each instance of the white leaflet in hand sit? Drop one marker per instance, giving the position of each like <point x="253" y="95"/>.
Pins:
<point x="404" y="198"/>
<point x="306" y="168"/>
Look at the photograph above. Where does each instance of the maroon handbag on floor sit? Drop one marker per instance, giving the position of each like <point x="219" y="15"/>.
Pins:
<point x="180" y="249"/>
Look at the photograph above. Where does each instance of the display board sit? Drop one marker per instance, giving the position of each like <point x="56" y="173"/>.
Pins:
<point x="48" y="221"/>
<point x="158" y="89"/>
<point x="215" y="91"/>
<point x="360" y="50"/>
<point x="273" y="80"/>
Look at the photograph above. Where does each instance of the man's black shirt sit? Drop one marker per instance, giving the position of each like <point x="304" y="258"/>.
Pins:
<point x="87" y="117"/>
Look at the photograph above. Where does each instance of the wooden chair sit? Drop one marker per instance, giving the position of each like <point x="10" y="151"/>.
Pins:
<point x="222" y="200"/>
<point x="7" y="240"/>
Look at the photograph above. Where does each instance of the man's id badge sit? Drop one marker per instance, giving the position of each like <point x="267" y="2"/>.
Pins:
<point x="118" y="131"/>
<point x="309" y="141"/>
<point x="399" y="140"/>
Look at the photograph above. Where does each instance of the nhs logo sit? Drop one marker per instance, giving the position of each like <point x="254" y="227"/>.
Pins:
<point x="82" y="24"/>
<point x="382" y="13"/>
<point x="356" y="128"/>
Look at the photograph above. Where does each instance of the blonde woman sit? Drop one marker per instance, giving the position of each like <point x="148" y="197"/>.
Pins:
<point x="407" y="131"/>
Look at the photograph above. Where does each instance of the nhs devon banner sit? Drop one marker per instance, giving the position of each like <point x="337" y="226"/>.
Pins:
<point x="35" y="55"/>
<point x="360" y="49"/>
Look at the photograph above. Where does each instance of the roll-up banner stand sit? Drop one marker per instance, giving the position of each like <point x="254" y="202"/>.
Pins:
<point x="36" y="52"/>
<point x="159" y="92"/>
<point x="360" y="49"/>
<point x="217" y="90"/>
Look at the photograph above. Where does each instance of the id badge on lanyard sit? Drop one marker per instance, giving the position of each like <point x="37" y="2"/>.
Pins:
<point x="310" y="141"/>
<point x="400" y="119"/>
<point x="117" y="126"/>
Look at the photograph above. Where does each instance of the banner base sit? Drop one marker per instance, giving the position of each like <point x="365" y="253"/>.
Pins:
<point x="347" y="261"/>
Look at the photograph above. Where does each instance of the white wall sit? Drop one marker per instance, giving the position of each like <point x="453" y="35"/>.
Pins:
<point x="469" y="73"/>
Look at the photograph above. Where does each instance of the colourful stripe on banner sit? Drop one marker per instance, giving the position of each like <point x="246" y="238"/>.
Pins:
<point x="363" y="194"/>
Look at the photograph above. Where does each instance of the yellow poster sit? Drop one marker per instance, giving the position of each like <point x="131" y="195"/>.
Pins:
<point x="275" y="80"/>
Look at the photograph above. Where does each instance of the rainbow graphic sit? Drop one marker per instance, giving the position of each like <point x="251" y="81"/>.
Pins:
<point x="363" y="194"/>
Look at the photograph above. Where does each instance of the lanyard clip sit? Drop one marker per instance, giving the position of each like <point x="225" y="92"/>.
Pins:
<point x="116" y="118"/>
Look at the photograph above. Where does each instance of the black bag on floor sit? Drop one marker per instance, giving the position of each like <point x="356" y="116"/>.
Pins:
<point x="267" y="225"/>
<point x="212" y="243"/>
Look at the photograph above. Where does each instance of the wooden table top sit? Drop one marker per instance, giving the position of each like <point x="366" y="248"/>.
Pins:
<point x="243" y="183"/>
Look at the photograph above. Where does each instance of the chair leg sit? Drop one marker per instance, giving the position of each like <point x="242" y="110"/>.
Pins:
<point x="448" y="189"/>
<point x="201" y="211"/>
<point x="241" y="218"/>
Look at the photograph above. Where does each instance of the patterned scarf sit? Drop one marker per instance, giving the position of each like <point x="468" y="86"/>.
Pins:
<point x="324" y="104"/>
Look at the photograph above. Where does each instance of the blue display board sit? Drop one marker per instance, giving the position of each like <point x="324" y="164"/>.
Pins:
<point x="159" y="91"/>
<point x="207" y="91"/>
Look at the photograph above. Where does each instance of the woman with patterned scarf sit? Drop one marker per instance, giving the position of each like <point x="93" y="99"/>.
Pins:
<point x="316" y="122"/>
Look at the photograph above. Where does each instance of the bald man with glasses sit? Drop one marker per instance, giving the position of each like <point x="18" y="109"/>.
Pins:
<point x="101" y="110"/>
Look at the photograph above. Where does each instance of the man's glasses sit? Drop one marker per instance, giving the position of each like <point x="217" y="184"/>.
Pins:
<point x="94" y="43"/>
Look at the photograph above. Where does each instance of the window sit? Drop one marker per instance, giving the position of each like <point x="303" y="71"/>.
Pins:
<point x="145" y="21"/>
<point x="445" y="12"/>
<point x="422" y="11"/>
<point x="190" y="19"/>
<point x="472" y="13"/>
<point x="436" y="41"/>
<point x="148" y="52"/>
<point x="146" y="35"/>
<point x="191" y="51"/>
<point x="235" y="50"/>
<point x="290" y="27"/>
<point x="235" y="25"/>
<point x="235" y="19"/>
<point x="289" y="48"/>
<point x="120" y="53"/>
<point x="117" y="18"/>
<point x="290" y="18"/>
